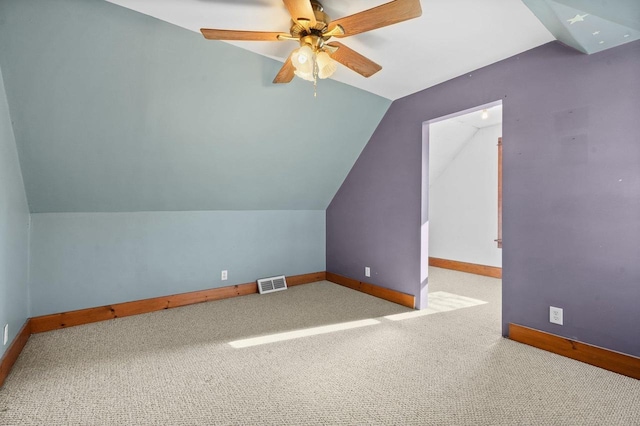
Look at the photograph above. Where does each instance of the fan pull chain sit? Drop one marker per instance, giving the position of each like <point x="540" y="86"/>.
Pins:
<point x="315" y="79"/>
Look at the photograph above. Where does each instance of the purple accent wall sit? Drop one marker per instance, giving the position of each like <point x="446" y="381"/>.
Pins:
<point x="571" y="212"/>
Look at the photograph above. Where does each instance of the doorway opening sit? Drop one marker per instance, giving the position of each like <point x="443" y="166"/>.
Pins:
<point x="461" y="193"/>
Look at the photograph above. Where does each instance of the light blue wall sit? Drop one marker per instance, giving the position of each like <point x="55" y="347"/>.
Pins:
<point x="115" y="111"/>
<point x="14" y="230"/>
<point x="152" y="158"/>
<point x="81" y="260"/>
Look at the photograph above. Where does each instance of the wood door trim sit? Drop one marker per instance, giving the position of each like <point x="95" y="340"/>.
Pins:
<point x="499" y="239"/>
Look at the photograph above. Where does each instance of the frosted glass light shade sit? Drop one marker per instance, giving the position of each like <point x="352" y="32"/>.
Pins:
<point x="304" y="75"/>
<point x="326" y="65"/>
<point x="303" y="60"/>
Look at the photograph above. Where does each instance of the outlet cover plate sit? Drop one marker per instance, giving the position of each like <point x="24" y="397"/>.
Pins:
<point x="367" y="271"/>
<point x="5" y="338"/>
<point x="224" y="275"/>
<point x="555" y="315"/>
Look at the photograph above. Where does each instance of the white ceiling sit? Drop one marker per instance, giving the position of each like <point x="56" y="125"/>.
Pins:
<point x="475" y="118"/>
<point x="447" y="138"/>
<point x="451" y="38"/>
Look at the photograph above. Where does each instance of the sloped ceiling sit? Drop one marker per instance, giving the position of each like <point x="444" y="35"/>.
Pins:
<point x="589" y="26"/>
<point x="449" y="39"/>
<point x="447" y="138"/>
<point x="117" y="111"/>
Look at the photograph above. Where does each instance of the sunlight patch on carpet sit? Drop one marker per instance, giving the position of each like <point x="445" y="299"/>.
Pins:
<point x="296" y="334"/>
<point x="439" y="301"/>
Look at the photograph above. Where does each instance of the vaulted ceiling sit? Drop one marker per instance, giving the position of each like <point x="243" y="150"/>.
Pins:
<point x="589" y="26"/>
<point x="117" y="111"/>
<point x="449" y="137"/>
<point x="449" y="39"/>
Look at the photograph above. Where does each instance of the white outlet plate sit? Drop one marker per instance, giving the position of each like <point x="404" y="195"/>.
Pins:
<point x="5" y="339"/>
<point x="223" y="275"/>
<point x="367" y="271"/>
<point x="555" y="315"/>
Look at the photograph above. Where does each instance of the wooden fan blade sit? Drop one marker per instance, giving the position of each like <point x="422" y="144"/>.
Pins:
<point x="212" y="34"/>
<point x="353" y="60"/>
<point x="378" y="17"/>
<point x="301" y="12"/>
<point x="286" y="73"/>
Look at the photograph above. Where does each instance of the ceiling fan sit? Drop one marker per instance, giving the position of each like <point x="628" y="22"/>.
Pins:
<point x="312" y="28"/>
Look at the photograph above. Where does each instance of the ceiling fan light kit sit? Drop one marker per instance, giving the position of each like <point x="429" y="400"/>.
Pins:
<point x="326" y="65"/>
<point x="311" y="61"/>
<point x="312" y="28"/>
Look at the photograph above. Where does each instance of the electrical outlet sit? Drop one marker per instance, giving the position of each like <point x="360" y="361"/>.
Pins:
<point x="555" y="315"/>
<point x="367" y="271"/>
<point x="223" y="276"/>
<point x="5" y="339"/>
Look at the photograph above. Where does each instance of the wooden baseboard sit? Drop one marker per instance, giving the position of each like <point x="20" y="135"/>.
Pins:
<point x="306" y="278"/>
<point x="102" y="313"/>
<point x="11" y="355"/>
<point x="471" y="268"/>
<point x="609" y="360"/>
<point x="374" y="290"/>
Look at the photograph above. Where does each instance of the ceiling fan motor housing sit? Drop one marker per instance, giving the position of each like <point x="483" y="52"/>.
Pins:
<point x="299" y="30"/>
<point x="313" y="29"/>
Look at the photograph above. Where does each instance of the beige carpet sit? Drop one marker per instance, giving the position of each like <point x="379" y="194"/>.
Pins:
<point x="176" y="367"/>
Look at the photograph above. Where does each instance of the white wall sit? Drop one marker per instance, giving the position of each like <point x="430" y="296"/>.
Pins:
<point x="463" y="203"/>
